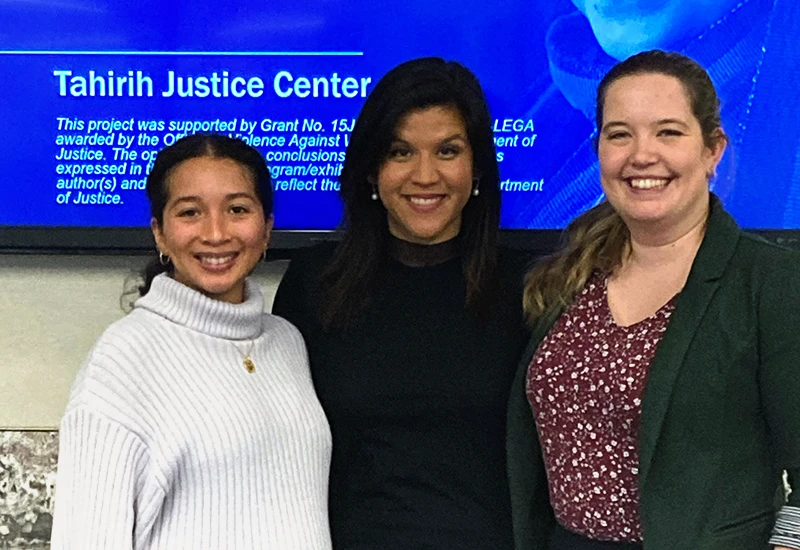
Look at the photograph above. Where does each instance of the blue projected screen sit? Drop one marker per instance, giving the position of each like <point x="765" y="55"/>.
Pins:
<point x="92" y="89"/>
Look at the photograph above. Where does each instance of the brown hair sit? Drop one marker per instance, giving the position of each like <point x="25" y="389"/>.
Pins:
<point x="598" y="239"/>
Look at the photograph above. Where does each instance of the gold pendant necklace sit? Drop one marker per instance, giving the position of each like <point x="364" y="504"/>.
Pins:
<point x="247" y="361"/>
<point x="249" y="365"/>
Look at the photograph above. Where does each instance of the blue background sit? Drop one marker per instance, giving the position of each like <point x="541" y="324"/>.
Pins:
<point x="537" y="60"/>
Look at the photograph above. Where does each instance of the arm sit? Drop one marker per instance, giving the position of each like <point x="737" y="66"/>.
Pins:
<point x="101" y="494"/>
<point x="779" y="347"/>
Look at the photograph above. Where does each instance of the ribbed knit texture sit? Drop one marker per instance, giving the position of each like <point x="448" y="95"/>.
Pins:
<point x="169" y="443"/>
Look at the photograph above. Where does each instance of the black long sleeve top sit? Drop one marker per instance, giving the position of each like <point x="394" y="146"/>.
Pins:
<point x="416" y="392"/>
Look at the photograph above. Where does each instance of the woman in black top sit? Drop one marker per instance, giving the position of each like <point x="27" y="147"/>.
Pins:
<point x="413" y="321"/>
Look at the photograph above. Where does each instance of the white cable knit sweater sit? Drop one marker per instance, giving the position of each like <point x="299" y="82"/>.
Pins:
<point x="169" y="443"/>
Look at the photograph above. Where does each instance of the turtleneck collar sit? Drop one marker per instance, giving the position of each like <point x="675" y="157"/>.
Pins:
<point x="189" y="308"/>
<point x="423" y="255"/>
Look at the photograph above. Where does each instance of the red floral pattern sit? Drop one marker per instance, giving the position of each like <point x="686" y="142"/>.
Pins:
<point x="585" y="386"/>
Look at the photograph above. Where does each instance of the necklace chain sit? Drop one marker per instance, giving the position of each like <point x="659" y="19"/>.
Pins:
<point x="247" y="361"/>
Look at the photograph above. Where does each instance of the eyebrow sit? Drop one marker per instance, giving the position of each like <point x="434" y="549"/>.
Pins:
<point x="229" y="197"/>
<point x="672" y="121"/>
<point x="660" y="122"/>
<point x="453" y="137"/>
<point x="612" y="124"/>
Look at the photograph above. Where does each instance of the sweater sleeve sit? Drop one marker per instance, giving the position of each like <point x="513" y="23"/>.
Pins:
<point x="103" y="499"/>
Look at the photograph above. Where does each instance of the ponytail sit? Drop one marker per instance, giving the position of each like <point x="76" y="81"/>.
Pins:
<point x="597" y="240"/>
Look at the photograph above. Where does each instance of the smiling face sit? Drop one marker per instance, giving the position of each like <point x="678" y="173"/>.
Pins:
<point x="654" y="164"/>
<point x="426" y="179"/>
<point x="625" y="27"/>
<point x="214" y="229"/>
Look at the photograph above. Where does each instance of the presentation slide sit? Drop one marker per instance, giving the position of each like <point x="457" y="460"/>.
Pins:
<point x="92" y="89"/>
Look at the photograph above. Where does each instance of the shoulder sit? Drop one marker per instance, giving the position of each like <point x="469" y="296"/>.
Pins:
<point x="756" y="250"/>
<point x="111" y="380"/>
<point x="513" y="264"/>
<point x="514" y="259"/>
<point x="282" y="329"/>
<point x="296" y="297"/>
<point x="285" y="345"/>
<point x="762" y="276"/>
<point x="761" y="261"/>
<point x="313" y="258"/>
<point x="306" y="266"/>
<point x="767" y="278"/>
<point x="774" y="271"/>
<point x="734" y="254"/>
<point x="124" y="340"/>
<point x="141" y="333"/>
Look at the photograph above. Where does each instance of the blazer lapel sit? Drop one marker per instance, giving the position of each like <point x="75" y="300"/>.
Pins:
<point x="712" y="259"/>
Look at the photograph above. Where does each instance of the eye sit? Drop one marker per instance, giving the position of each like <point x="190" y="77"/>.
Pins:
<point x="399" y="151"/>
<point x="669" y="132"/>
<point x="450" y="150"/>
<point x="188" y="212"/>
<point x="617" y="135"/>
<point x="239" y="209"/>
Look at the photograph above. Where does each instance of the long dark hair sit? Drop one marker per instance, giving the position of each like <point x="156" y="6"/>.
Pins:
<point x="194" y="146"/>
<point x="349" y="281"/>
<point x="598" y="239"/>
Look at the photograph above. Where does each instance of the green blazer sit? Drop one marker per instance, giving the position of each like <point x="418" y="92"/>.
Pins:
<point x="721" y="405"/>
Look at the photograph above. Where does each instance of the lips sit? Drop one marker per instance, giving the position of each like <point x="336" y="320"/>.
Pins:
<point x="425" y="203"/>
<point x="647" y="183"/>
<point x="217" y="261"/>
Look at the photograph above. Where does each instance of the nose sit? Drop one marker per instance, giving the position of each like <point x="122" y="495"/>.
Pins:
<point x="215" y="229"/>
<point x="425" y="170"/>
<point x="644" y="151"/>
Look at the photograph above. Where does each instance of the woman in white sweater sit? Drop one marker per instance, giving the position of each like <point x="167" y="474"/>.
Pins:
<point x="194" y="423"/>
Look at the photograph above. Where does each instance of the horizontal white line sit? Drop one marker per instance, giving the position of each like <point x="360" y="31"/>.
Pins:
<point x="242" y="54"/>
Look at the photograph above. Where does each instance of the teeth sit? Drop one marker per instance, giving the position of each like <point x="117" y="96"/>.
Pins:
<point x="648" y="183"/>
<point x="216" y="261"/>
<point x="420" y="200"/>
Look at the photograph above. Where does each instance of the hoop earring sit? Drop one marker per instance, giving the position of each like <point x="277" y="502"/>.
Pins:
<point x="264" y="255"/>
<point x="163" y="259"/>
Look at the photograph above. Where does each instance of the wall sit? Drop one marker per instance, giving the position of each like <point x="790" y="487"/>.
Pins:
<point x="52" y="308"/>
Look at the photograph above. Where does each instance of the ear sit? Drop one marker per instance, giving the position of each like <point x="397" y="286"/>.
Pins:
<point x="716" y="151"/>
<point x="270" y="223"/>
<point x="158" y="235"/>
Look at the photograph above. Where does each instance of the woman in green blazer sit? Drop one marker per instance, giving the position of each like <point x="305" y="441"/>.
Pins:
<point x="658" y="403"/>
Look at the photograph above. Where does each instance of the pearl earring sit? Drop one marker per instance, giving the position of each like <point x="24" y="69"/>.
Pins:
<point x="374" y="195"/>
